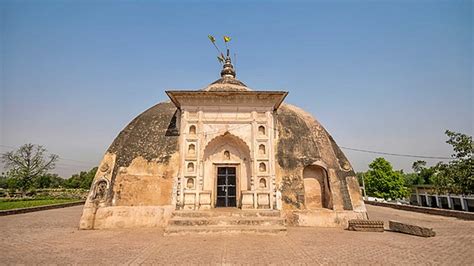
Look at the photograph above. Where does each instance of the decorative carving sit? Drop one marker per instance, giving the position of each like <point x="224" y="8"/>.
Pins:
<point x="226" y="155"/>
<point x="104" y="167"/>
<point x="193" y="115"/>
<point x="261" y="131"/>
<point x="345" y="166"/>
<point x="263" y="183"/>
<point x="100" y="190"/>
<point x="262" y="167"/>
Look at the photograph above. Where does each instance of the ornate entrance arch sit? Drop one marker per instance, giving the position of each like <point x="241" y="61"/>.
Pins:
<point x="226" y="151"/>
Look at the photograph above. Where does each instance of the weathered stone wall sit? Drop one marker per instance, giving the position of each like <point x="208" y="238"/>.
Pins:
<point x="137" y="170"/>
<point x="302" y="142"/>
<point x="145" y="183"/>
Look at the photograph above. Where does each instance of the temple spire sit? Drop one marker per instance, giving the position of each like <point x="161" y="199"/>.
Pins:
<point x="228" y="68"/>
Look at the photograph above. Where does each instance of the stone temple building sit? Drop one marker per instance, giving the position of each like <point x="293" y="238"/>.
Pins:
<point x="225" y="150"/>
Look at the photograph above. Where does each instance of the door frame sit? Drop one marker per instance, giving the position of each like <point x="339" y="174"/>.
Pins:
<point x="237" y="183"/>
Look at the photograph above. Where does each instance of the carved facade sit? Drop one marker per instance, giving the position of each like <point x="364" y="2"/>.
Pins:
<point x="226" y="130"/>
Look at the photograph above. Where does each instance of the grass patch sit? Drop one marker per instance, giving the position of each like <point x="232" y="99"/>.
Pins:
<point x="16" y="204"/>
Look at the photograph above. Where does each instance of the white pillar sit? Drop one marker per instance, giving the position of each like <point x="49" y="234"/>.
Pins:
<point x="278" y="200"/>
<point x="463" y="203"/>
<point x="450" y="202"/>
<point x="428" y="199"/>
<point x="438" y="202"/>
<point x="418" y="198"/>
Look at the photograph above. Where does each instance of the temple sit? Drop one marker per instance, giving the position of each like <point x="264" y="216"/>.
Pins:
<point x="225" y="147"/>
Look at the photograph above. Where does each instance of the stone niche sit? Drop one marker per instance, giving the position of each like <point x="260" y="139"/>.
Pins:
<point x="316" y="188"/>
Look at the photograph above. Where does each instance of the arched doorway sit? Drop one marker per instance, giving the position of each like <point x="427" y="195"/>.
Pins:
<point x="316" y="188"/>
<point x="226" y="161"/>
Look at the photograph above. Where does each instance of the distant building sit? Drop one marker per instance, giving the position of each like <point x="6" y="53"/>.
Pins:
<point x="427" y="196"/>
<point x="224" y="146"/>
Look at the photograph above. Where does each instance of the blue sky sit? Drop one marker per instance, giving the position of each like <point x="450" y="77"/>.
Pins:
<point x="379" y="75"/>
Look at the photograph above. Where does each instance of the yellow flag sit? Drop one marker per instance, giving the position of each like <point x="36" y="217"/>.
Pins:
<point x="213" y="40"/>
<point x="227" y="39"/>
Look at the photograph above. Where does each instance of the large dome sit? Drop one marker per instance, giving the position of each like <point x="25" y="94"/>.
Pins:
<point x="302" y="141"/>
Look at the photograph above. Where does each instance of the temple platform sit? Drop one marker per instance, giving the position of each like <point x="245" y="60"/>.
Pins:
<point x="226" y="221"/>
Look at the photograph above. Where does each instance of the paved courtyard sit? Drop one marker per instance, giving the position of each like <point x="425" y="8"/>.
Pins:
<point x="51" y="237"/>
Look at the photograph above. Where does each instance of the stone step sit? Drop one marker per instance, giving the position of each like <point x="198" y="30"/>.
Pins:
<point x="223" y="221"/>
<point x="191" y="230"/>
<point x="230" y="213"/>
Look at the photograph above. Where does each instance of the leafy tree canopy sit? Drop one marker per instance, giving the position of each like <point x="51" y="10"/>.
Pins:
<point x="28" y="163"/>
<point x="82" y="180"/>
<point x="383" y="182"/>
<point x="457" y="176"/>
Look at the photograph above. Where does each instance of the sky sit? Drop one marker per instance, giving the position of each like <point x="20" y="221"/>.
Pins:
<point x="387" y="76"/>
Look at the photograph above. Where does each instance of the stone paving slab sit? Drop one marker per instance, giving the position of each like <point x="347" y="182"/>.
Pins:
<point x="411" y="229"/>
<point x="51" y="237"/>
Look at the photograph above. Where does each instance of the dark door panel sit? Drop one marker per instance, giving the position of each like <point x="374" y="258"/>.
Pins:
<point x="226" y="187"/>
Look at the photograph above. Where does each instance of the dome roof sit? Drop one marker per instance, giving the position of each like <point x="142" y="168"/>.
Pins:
<point x="302" y="139"/>
<point x="227" y="84"/>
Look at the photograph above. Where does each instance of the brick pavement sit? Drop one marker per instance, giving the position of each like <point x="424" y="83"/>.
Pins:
<point x="52" y="237"/>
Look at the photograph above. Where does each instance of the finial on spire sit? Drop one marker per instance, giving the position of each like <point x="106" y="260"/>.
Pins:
<point x="228" y="68"/>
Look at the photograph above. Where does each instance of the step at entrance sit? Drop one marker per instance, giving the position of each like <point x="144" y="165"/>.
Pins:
<point x="226" y="221"/>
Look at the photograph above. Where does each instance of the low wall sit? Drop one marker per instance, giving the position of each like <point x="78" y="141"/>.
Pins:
<point x="129" y="217"/>
<point x="435" y="211"/>
<point x="325" y="218"/>
<point x="40" y="208"/>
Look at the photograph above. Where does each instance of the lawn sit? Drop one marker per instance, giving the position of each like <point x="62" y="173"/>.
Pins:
<point x="15" y="204"/>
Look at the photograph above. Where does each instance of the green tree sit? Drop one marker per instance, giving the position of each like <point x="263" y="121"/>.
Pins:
<point x="383" y="182"/>
<point x="28" y="163"/>
<point x="13" y="184"/>
<point x="418" y="166"/>
<point x="3" y="180"/>
<point x="48" y="181"/>
<point x="457" y="176"/>
<point x="423" y="174"/>
<point x="412" y="179"/>
<point x="81" y="180"/>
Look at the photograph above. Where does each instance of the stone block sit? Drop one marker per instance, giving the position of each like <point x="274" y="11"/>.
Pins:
<point x="263" y="200"/>
<point x="189" y="200"/>
<point x="132" y="217"/>
<point x="205" y="200"/>
<point x="411" y="229"/>
<point x="365" y="226"/>
<point x="247" y="200"/>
